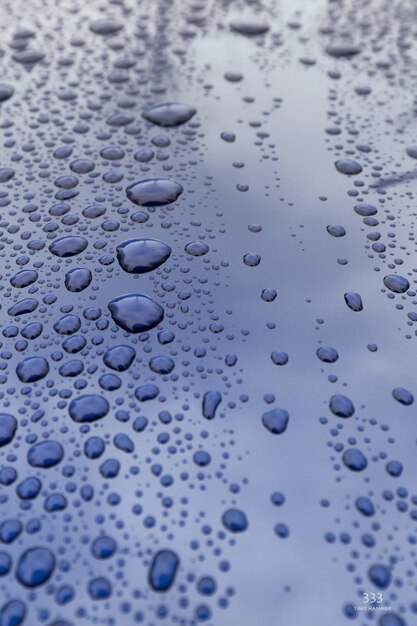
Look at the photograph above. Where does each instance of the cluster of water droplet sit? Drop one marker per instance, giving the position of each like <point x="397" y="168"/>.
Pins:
<point x="116" y="363"/>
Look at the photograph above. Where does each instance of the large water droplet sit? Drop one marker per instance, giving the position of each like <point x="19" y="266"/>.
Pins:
<point x="143" y="393"/>
<point x="211" y="401"/>
<point x="28" y="56"/>
<point x="354" y="301"/>
<point x="327" y="354"/>
<point x="161" y="364"/>
<point x="12" y="613"/>
<point x="397" y="284"/>
<point x="138" y="256"/>
<point x="103" y="547"/>
<point x="196" y="248"/>
<point x="276" y="421"/>
<point x="336" y="230"/>
<point x="412" y="151"/>
<point x="163" y="570"/>
<point x="78" y="279"/>
<point x="24" y="278"/>
<point x="403" y="396"/>
<point x="119" y="358"/>
<point x="169" y="113"/>
<point x="136" y="313"/>
<point x="355" y="460"/>
<point x="32" y="369"/>
<point x="154" y="192"/>
<point x="365" y="210"/>
<point x="8" y="427"/>
<point x="249" y="28"/>
<point x="105" y="26"/>
<point x="68" y="246"/>
<point x="235" y="520"/>
<point x="35" y="567"/>
<point x="342" y="406"/>
<point x="6" y="92"/>
<point x="347" y="166"/>
<point x="342" y="50"/>
<point x="45" y="454"/>
<point x="28" y="305"/>
<point x="99" y="588"/>
<point x="380" y="576"/>
<point x="88" y="408"/>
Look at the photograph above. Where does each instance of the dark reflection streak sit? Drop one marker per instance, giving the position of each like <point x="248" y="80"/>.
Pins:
<point x="383" y="183"/>
<point x="160" y="68"/>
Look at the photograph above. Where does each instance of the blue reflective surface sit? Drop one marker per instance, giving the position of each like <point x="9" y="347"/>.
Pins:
<point x="207" y="359"/>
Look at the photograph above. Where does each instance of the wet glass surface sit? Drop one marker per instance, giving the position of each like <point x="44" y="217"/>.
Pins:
<point x="208" y="353"/>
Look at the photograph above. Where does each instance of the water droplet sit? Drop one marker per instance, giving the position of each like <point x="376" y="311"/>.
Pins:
<point x="136" y="313"/>
<point x="281" y="530"/>
<point x="347" y="166"/>
<point x="279" y="358"/>
<point x="403" y="396"/>
<point x="380" y="576"/>
<point x="268" y="295"/>
<point x="88" y="408"/>
<point x="336" y="231"/>
<point x="343" y="50"/>
<point x="103" y="547"/>
<point x="228" y="137"/>
<point x="78" y="279"/>
<point x="99" y="588"/>
<point x="365" y="210"/>
<point x="327" y="355"/>
<point x="138" y="256"/>
<point x="235" y="520"/>
<point x="24" y="278"/>
<point x="365" y="506"/>
<point x="28" y="305"/>
<point x="6" y="92"/>
<point x="82" y="166"/>
<point x="45" y="454"/>
<point x="154" y="192"/>
<point x="397" y="284"/>
<point x="249" y="28"/>
<point x="35" y="567"/>
<point x="93" y="211"/>
<point x="28" y="56"/>
<point x="29" y="488"/>
<point x="252" y="259"/>
<point x="119" y="358"/>
<point x="32" y="369"/>
<point x="12" y="613"/>
<point x="6" y="174"/>
<point x="8" y="427"/>
<point x="67" y="324"/>
<point x="211" y="401"/>
<point x="342" y="406"/>
<point x="353" y="301"/>
<point x="276" y="421"/>
<point x="412" y="151"/>
<point x="355" y="460"/>
<point x="105" y="26"/>
<point x="68" y="246"/>
<point x="161" y="364"/>
<point x="169" y="114"/>
<point x="196" y="248"/>
<point x="144" y="393"/>
<point x="94" y="447"/>
<point x="163" y="570"/>
<point x="233" y="77"/>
